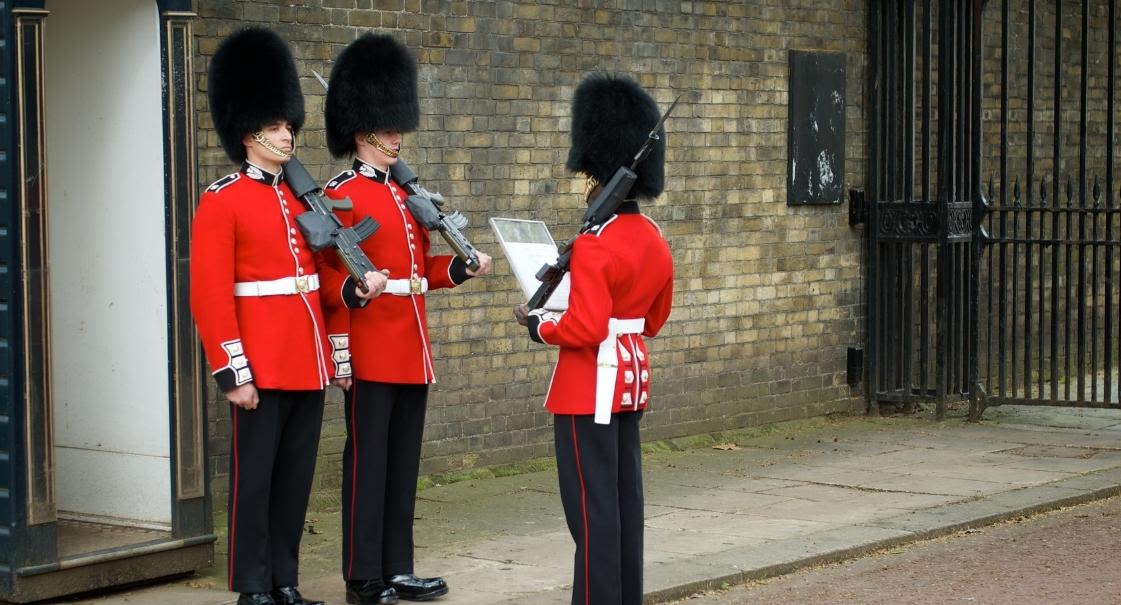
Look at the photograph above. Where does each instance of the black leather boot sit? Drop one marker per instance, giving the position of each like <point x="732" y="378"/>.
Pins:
<point x="412" y="588"/>
<point x="370" y="592"/>
<point x="255" y="598"/>
<point x="288" y="595"/>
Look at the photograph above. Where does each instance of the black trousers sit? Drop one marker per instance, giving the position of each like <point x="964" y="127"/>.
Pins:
<point x="272" y="461"/>
<point x="600" y="471"/>
<point x="381" y="460"/>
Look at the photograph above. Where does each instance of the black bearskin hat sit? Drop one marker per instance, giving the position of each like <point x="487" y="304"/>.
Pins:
<point x="611" y="118"/>
<point x="253" y="82"/>
<point x="373" y="87"/>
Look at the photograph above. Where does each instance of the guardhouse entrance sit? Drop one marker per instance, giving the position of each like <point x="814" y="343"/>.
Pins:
<point x="102" y="424"/>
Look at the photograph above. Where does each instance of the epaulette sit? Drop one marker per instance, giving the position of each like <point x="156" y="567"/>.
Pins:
<point x="342" y="177"/>
<point x="224" y="182"/>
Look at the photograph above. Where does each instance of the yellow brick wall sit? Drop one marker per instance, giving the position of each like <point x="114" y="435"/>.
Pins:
<point x="768" y="296"/>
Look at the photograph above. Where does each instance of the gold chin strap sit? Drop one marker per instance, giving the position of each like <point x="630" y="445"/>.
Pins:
<point x="589" y="184"/>
<point x="260" y="138"/>
<point x="373" y="139"/>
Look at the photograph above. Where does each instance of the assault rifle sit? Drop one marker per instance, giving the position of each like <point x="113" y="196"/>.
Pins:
<point x="321" y="228"/>
<point x="427" y="210"/>
<point x="602" y="206"/>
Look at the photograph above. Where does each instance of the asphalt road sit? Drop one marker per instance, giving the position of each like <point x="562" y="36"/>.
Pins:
<point x="1069" y="556"/>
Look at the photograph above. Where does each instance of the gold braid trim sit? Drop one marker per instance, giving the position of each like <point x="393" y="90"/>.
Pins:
<point x="590" y="184"/>
<point x="373" y="139"/>
<point x="260" y="138"/>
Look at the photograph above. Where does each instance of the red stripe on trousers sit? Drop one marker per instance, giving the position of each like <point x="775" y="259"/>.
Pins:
<point x="584" y="509"/>
<point x="233" y="513"/>
<point x="353" y="474"/>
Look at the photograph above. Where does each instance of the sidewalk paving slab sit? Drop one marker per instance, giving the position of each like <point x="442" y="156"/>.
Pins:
<point x="781" y="498"/>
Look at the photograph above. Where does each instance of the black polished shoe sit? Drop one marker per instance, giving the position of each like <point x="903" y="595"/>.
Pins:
<point x="255" y="598"/>
<point x="412" y="588"/>
<point x="288" y="595"/>
<point x="370" y="592"/>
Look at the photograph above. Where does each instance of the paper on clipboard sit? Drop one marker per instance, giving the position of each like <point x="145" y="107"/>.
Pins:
<point x="528" y="245"/>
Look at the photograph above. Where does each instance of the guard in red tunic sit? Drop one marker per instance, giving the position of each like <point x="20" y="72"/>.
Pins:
<point x="621" y="291"/>
<point x="371" y="101"/>
<point x="255" y="300"/>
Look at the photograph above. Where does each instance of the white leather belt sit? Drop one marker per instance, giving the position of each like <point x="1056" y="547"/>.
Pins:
<point x="277" y="287"/>
<point x="607" y="364"/>
<point x="405" y="287"/>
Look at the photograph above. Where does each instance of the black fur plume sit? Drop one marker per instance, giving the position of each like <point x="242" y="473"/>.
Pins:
<point x="611" y="118"/>
<point x="252" y="82"/>
<point x="373" y="87"/>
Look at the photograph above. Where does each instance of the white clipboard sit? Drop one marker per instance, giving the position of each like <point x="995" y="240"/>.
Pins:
<point x="528" y="245"/>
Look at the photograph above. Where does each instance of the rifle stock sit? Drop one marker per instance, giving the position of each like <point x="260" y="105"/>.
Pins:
<point x="426" y="209"/>
<point x="321" y="228"/>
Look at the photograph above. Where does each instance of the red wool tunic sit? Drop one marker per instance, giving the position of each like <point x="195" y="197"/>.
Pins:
<point x="244" y="231"/>
<point x="622" y="271"/>
<point x="388" y="336"/>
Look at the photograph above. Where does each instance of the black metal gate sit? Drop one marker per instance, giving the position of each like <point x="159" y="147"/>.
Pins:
<point x="993" y="229"/>
<point x="923" y="173"/>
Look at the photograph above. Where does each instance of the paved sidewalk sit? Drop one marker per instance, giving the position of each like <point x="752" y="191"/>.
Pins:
<point x="761" y="503"/>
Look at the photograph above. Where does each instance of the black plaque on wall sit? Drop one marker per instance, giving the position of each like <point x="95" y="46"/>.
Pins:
<point x="816" y="132"/>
